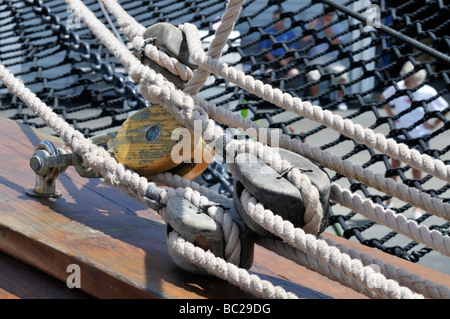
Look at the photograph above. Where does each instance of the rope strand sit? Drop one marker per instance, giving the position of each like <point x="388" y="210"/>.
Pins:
<point x="339" y="263"/>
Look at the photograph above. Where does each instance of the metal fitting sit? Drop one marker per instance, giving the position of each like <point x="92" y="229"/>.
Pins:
<point x="48" y="162"/>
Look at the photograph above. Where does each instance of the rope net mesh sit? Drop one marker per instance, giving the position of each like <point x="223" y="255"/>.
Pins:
<point x="61" y="61"/>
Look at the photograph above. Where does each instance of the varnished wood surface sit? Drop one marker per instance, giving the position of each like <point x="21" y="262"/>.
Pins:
<point x="20" y="281"/>
<point x="119" y="244"/>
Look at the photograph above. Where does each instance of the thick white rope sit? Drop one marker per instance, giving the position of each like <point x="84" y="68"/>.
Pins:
<point x="399" y="223"/>
<point x="312" y="263"/>
<point x="413" y="196"/>
<point x="179" y="104"/>
<point x="131" y="183"/>
<point x="310" y="214"/>
<point x="310" y="194"/>
<point x="141" y="74"/>
<point x="228" y="19"/>
<point x="161" y="58"/>
<point x="319" y="248"/>
<point x="286" y="101"/>
<point x="414" y="282"/>
<point x="135" y="186"/>
<point x="408" y="194"/>
<point x="230" y="231"/>
<point x="344" y="167"/>
<point x="133" y="30"/>
<point x="226" y="271"/>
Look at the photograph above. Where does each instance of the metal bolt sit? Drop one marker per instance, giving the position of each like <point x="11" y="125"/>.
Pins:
<point x="36" y="163"/>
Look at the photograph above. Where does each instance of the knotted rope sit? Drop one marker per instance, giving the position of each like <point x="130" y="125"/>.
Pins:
<point x="409" y="194"/>
<point x="188" y="108"/>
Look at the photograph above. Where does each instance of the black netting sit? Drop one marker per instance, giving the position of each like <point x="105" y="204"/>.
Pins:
<point x="60" y="60"/>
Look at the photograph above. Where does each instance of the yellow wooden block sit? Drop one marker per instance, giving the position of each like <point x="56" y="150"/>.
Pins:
<point x="152" y="141"/>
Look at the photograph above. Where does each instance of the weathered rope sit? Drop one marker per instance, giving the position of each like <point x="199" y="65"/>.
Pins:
<point x="226" y="271"/>
<point x="310" y="194"/>
<point x="135" y="186"/>
<point x="344" y="167"/>
<point x="230" y="230"/>
<point x="161" y="58"/>
<point x="319" y="248"/>
<point x="425" y="287"/>
<point x="309" y="215"/>
<point x="401" y="191"/>
<point x="314" y="264"/>
<point x="228" y="19"/>
<point x="386" y="217"/>
<point x="286" y="101"/>
<point x="414" y="282"/>
<point x="185" y="107"/>
<point x="181" y="105"/>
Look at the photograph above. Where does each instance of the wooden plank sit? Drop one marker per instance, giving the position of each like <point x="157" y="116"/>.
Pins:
<point x="20" y="281"/>
<point x="119" y="244"/>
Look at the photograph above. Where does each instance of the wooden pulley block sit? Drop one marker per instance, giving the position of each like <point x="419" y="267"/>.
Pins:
<point x="170" y="39"/>
<point x="151" y="141"/>
<point x="275" y="192"/>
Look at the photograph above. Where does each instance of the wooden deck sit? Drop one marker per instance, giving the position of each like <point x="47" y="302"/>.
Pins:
<point x="119" y="244"/>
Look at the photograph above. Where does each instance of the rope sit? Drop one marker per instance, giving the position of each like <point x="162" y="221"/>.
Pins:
<point x="226" y="271"/>
<point x="387" y="217"/>
<point x="412" y="195"/>
<point x="320" y="249"/>
<point x="403" y="277"/>
<point x="135" y="186"/>
<point x="414" y="282"/>
<point x="344" y="167"/>
<point x="229" y="228"/>
<point x="228" y="19"/>
<point x="315" y="264"/>
<point x="156" y="88"/>
<point x="422" y="47"/>
<point x="426" y="287"/>
<point x="181" y="105"/>
<point x="345" y="127"/>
